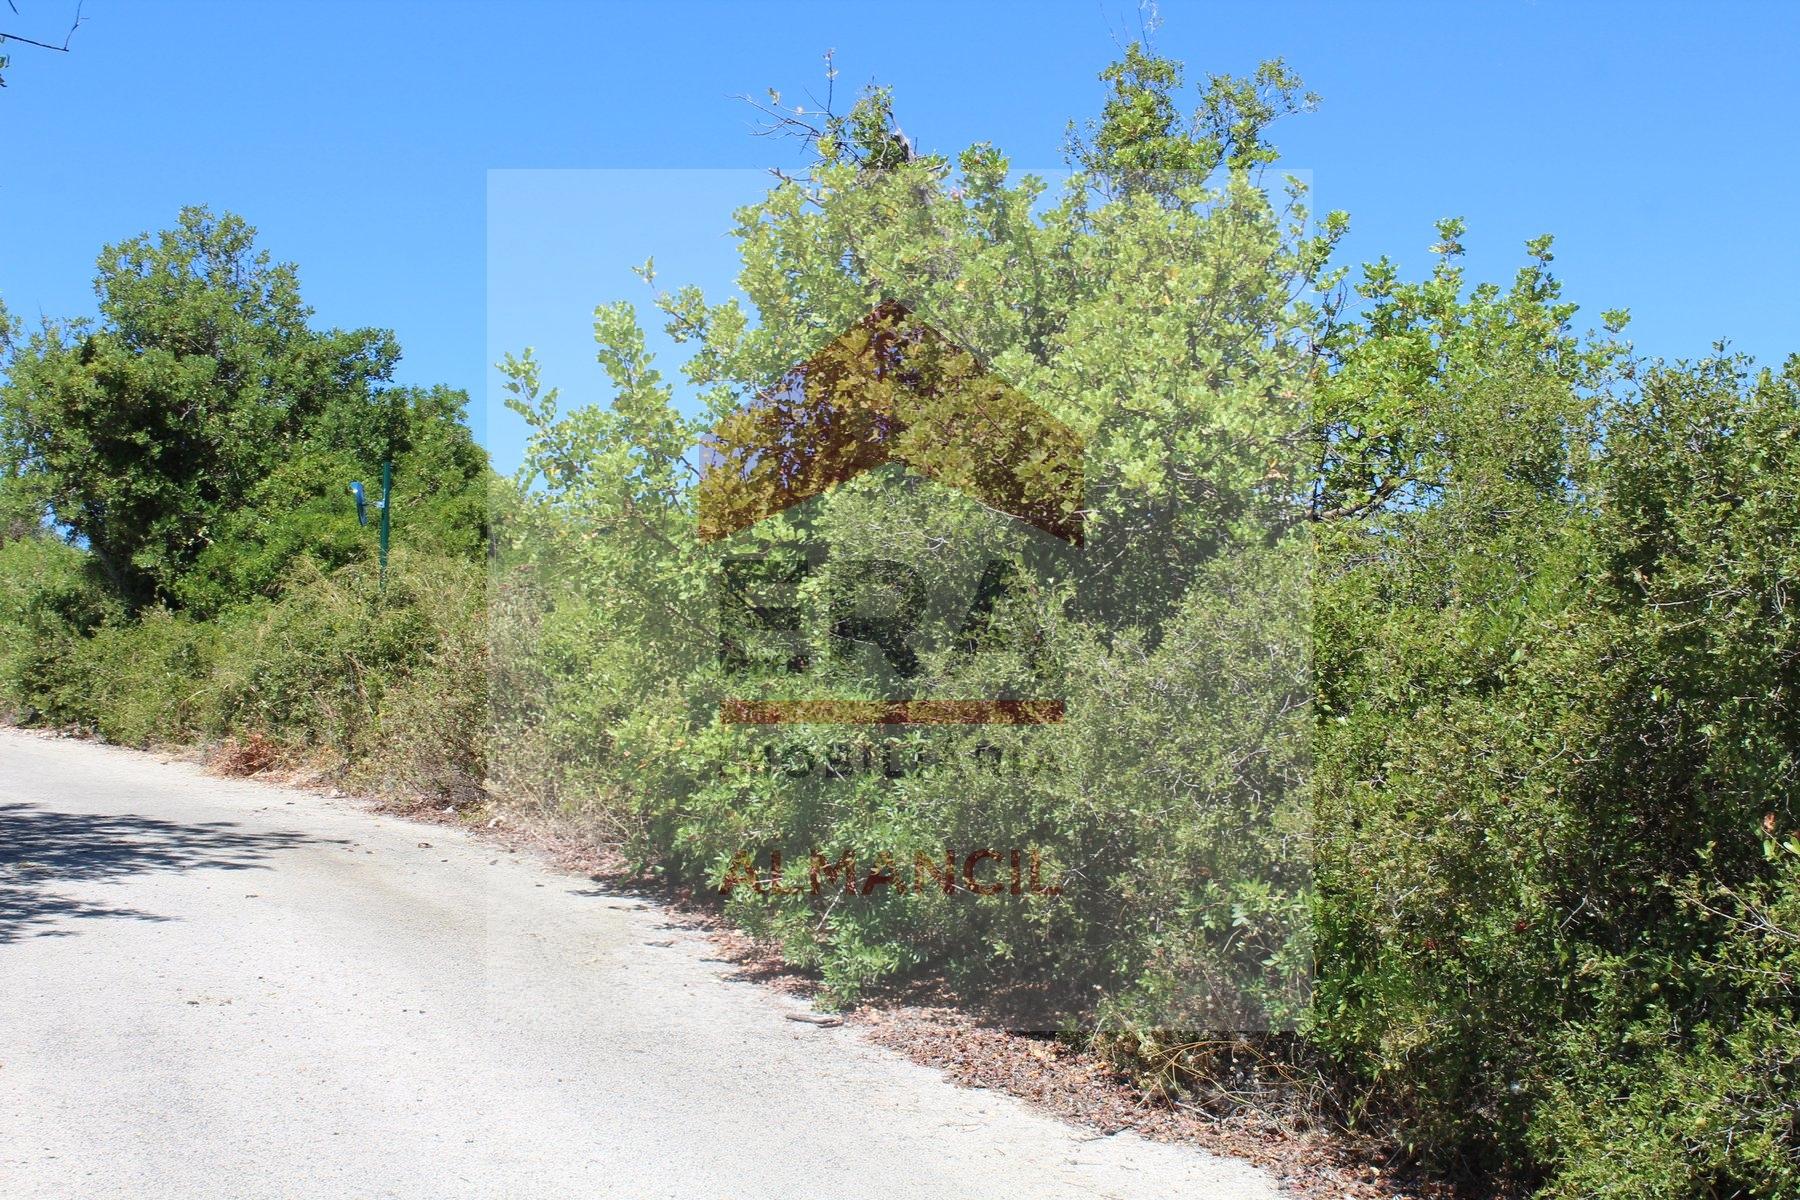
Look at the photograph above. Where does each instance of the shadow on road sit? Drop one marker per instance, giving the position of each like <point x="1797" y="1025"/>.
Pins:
<point x="41" y="850"/>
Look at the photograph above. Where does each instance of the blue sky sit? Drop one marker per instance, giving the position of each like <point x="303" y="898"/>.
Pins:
<point x="1659" y="143"/>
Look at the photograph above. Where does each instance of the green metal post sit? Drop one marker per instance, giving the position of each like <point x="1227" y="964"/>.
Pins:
<point x="387" y="491"/>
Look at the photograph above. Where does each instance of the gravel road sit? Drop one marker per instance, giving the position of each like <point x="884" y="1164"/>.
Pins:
<point x="218" y="988"/>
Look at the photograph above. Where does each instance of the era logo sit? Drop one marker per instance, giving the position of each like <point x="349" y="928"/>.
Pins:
<point x="888" y="391"/>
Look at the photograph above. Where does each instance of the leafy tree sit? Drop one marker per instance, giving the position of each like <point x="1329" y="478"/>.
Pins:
<point x="21" y="514"/>
<point x="1142" y="140"/>
<point x="1151" y="311"/>
<point x="1543" y="764"/>
<point x="192" y="448"/>
<point x="160" y="435"/>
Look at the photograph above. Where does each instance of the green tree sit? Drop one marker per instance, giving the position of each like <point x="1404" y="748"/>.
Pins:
<point x="1149" y="306"/>
<point x="1542" y="769"/>
<point x="180" y="557"/>
<point x="149" y="431"/>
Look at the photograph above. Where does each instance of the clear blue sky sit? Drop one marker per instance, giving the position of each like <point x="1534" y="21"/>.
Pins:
<point x="1659" y="143"/>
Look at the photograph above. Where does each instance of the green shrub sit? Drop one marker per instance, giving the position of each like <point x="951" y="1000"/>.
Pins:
<point x="1693" y="1093"/>
<point x="1554" y="647"/>
<point x="387" y="687"/>
<point x="387" y="683"/>
<point x="49" y="602"/>
<point x="147" y="682"/>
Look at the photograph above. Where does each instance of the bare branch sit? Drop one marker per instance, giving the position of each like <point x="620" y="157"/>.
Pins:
<point x="785" y="122"/>
<point x="62" y="49"/>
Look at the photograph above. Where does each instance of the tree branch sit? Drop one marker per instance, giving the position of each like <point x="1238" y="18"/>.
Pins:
<point x="62" y="49"/>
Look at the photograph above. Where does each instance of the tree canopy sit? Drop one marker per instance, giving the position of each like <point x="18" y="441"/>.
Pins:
<point x="201" y="426"/>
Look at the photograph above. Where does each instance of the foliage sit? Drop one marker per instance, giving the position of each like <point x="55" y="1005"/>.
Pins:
<point x="1689" y="1091"/>
<point x="47" y="605"/>
<point x="613" y="686"/>
<point x="182" y="559"/>
<point x="163" y="433"/>
<point x="1557" y="671"/>
<point x="1547" y="610"/>
<point x="1142" y="141"/>
<point x="1430" y="663"/>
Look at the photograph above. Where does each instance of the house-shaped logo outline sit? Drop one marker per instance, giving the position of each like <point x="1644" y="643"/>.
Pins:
<point x="892" y="389"/>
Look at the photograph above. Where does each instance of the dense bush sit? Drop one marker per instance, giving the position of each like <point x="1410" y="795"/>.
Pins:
<point x="48" y="604"/>
<point x="1553" y="714"/>
<point x="180" y="558"/>
<point x="610" y="703"/>
<point x="386" y="688"/>
<point x="1552" y="726"/>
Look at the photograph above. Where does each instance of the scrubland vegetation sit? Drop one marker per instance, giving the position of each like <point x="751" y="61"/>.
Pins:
<point x="1437" y="701"/>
